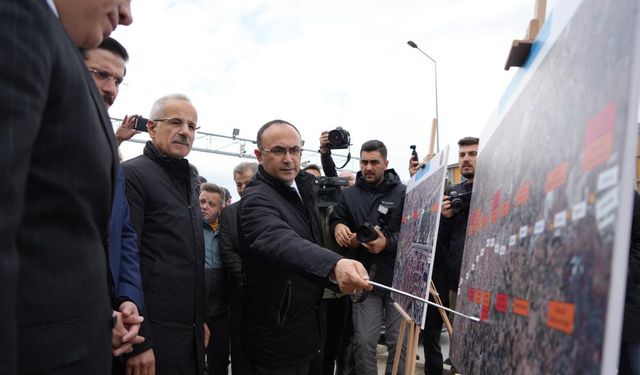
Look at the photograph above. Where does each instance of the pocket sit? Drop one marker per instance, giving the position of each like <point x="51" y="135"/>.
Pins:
<point x="285" y="303"/>
<point x="54" y="345"/>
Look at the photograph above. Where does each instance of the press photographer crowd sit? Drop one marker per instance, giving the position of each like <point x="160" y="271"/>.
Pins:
<point x="144" y="267"/>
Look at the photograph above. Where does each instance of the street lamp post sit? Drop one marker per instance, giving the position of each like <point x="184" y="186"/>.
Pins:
<point x="435" y="69"/>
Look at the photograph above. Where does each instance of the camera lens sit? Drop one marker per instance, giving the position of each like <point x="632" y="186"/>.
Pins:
<point x="339" y="138"/>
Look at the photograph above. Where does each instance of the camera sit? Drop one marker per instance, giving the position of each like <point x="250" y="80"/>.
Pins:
<point x="328" y="189"/>
<point x="141" y="124"/>
<point x="460" y="201"/>
<point x="324" y="181"/>
<point x="339" y="138"/>
<point x="414" y="153"/>
<point x="367" y="231"/>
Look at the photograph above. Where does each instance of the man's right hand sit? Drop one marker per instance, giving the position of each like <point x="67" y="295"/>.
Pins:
<point x="343" y="235"/>
<point x="351" y="276"/>
<point x="142" y="364"/>
<point x="414" y="166"/>
<point x="447" y="210"/>
<point x="324" y="142"/>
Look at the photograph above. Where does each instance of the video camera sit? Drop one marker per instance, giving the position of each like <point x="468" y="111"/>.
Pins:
<point x="367" y="232"/>
<point x="339" y="138"/>
<point x="328" y="189"/>
<point x="460" y="201"/>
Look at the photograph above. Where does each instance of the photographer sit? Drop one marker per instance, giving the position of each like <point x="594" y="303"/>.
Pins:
<point x="449" y="249"/>
<point x="453" y="224"/>
<point x="377" y="198"/>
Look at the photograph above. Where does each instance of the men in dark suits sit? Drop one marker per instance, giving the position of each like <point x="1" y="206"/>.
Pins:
<point x="163" y="193"/>
<point x="107" y="66"/>
<point x="284" y="265"/>
<point x="57" y="161"/>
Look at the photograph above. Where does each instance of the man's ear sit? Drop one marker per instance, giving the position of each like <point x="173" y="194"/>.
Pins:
<point x="258" y="154"/>
<point x="386" y="164"/>
<point x="152" y="126"/>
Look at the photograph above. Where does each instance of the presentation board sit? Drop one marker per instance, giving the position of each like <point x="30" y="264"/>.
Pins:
<point x="545" y="256"/>
<point x="418" y="235"/>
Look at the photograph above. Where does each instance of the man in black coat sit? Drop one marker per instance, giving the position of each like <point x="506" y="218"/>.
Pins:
<point x="57" y="162"/>
<point x="284" y="265"/>
<point x="449" y="249"/>
<point x="107" y="66"/>
<point x="376" y="188"/>
<point x="163" y="194"/>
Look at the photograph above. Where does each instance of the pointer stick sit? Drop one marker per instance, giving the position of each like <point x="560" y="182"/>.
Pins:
<point x="422" y="300"/>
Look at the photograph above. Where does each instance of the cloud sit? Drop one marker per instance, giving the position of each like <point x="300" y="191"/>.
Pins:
<point x="322" y="64"/>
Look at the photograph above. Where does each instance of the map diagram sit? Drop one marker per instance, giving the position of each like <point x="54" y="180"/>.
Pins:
<point x="418" y="235"/>
<point x="551" y="207"/>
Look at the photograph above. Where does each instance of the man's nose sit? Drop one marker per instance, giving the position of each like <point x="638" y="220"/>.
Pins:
<point x="184" y="130"/>
<point x="124" y="13"/>
<point x="287" y="158"/>
<point x="109" y="88"/>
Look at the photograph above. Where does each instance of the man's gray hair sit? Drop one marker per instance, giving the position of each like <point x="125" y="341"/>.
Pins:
<point x="245" y="166"/>
<point x="157" y="109"/>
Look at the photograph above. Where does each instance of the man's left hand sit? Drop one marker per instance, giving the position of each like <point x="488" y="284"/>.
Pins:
<point x="379" y="244"/>
<point x="125" y="332"/>
<point x="118" y="332"/>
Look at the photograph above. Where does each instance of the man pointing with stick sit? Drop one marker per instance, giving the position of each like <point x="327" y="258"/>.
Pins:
<point x="285" y="269"/>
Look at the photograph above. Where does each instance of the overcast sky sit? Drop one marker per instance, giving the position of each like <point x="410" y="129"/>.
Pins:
<point x="322" y="64"/>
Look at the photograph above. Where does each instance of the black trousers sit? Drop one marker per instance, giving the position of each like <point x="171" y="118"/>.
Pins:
<point x="433" y="327"/>
<point x="239" y="363"/>
<point x="333" y="318"/>
<point x="218" y="349"/>
<point x="301" y="369"/>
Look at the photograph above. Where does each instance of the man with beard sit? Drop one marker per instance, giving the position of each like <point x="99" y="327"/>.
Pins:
<point x="57" y="162"/>
<point x="376" y="188"/>
<point x="449" y="250"/>
<point x="106" y="63"/>
<point x="453" y="223"/>
<point x="163" y="193"/>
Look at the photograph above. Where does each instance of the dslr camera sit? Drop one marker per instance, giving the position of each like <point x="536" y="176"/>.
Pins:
<point x="460" y="201"/>
<point x="367" y="232"/>
<point x="339" y="139"/>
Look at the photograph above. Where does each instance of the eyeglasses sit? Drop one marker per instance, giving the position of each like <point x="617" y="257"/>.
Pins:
<point x="281" y="151"/>
<point x="178" y="123"/>
<point x="104" y="75"/>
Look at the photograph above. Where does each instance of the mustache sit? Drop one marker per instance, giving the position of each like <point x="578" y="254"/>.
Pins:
<point x="181" y="139"/>
<point x="109" y="99"/>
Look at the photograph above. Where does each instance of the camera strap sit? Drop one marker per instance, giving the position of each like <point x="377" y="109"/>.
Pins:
<point x="346" y="162"/>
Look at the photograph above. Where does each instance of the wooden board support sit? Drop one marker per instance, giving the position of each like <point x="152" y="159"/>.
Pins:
<point x="432" y="142"/>
<point x="443" y="314"/>
<point x="412" y="343"/>
<point x="520" y="48"/>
